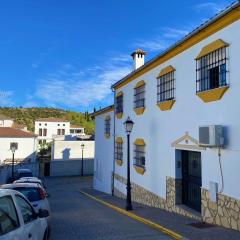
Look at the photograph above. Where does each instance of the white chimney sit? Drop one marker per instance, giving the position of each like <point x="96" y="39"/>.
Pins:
<point x="138" y="58"/>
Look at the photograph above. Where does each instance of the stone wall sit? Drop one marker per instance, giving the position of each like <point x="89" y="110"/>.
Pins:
<point x="225" y="212"/>
<point x="143" y="196"/>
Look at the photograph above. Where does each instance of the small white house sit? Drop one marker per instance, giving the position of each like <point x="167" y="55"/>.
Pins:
<point x="76" y="130"/>
<point x="5" y="121"/>
<point x="48" y="128"/>
<point x="27" y="145"/>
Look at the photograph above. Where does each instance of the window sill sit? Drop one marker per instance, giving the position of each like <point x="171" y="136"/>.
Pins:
<point x="166" y="105"/>
<point x="139" y="169"/>
<point x="212" y="94"/>
<point x="119" y="162"/>
<point x="107" y="135"/>
<point x="139" y="111"/>
<point x="119" y="115"/>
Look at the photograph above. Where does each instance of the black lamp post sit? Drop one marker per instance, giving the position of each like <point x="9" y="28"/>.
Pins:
<point x="128" y="127"/>
<point x="82" y="146"/>
<point x="13" y="147"/>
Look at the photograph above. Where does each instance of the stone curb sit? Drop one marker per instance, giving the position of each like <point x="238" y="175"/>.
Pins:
<point x="137" y="218"/>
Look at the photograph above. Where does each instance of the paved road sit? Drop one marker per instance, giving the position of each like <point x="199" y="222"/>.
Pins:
<point x="76" y="217"/>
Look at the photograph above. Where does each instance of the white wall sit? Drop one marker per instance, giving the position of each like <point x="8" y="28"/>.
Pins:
<point x="26" y="148"/>
<point x="103" y="161"/>
<point x="160" y="128"/>
<point x="67" y="150"/>
<point x="52" y="128"/>
<point x="6" y="123"/>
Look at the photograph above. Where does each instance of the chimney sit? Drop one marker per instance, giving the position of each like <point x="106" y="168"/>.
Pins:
<point x="138" y="58"/>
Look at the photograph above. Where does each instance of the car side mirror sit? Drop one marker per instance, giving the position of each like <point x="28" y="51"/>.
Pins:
<point x="42" y="213"/>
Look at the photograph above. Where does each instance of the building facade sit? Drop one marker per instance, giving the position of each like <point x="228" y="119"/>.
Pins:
<point x="104" y="150"/>
<point x="194" y="83"/>
<point x="48" y="128"/>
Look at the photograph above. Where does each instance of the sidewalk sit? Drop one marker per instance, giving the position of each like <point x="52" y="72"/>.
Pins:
<point x="172" y="221"/>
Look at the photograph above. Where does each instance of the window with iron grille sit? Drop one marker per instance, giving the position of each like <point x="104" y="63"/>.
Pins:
<point x="139" y="97"/>
<point x="166" y="87"/>
<point x="107" y="126"/>
<point x="119" y="104"/>
<point x="211" y="70"/>
<point x="118" y="151"/>
<point x="139" y="155"/>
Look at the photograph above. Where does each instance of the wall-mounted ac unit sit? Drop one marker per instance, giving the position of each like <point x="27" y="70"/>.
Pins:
<point x="211" y="136"/>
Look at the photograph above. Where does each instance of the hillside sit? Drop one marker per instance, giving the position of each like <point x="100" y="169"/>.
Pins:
<point x="27" y="116"/>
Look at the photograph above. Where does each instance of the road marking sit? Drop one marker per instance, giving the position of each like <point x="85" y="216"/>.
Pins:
<point x="137" y="218"/>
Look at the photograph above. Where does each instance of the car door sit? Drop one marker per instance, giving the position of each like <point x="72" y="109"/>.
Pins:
<point x="10" y="228"/>
<point x="33" y="228"/>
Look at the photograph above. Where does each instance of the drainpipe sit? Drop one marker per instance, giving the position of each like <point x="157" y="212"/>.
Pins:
<point x="114" y="121"/>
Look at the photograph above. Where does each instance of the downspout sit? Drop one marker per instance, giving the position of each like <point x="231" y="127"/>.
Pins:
<point x="114" y="132"/>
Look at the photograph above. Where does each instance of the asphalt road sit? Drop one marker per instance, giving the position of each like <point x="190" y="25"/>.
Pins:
<point x="76" y="217"/>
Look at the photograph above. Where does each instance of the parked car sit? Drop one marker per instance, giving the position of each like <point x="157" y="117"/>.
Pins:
<point x="23" y="172"/>
<point x="19" y="221"/>
<point x="34" y="193"/>
<point x="30" y="180"/>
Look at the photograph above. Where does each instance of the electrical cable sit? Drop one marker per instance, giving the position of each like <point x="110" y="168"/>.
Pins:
<point x="220" y="166"/>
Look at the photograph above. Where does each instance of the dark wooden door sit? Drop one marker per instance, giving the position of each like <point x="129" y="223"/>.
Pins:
<point x="191" y="179"/>
<point x="47" y="169"/>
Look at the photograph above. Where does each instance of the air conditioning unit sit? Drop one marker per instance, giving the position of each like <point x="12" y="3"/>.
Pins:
<point x="211" y="136"/>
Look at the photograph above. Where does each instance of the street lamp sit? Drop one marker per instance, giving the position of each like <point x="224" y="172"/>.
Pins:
<point x="128" y="127"/>
<point x="82" y="146"/>
<point x="13" y="148"/>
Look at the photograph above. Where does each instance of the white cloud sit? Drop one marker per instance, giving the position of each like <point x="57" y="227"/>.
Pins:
<point x="212" y="7"/>
<point x="74" y="88"/>
<point x="6" y="98"/>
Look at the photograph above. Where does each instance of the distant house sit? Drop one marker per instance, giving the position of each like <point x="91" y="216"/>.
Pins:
<point x="48" y="128"/>
<point x="27" y="145"/>
<point x="76" y="130"/>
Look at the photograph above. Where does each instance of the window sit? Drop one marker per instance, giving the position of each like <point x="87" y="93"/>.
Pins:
<point x="63" y="131"/>
<point x="139" y="95"/>
<point x="44" y="141"/>
<point x="40" y="124"/>
<point x="211" y="70"/>
<point x="8" y="215"/>
<point x="45" y="124"/>
<point x="59" y="132"/>
<point x="40" y="132"/>
<point x="26" y="210"/>
<point x="166" y="85"/>
<point x="71" y="131"/>
<point x="44" y="132"/>
<point x="64" y="125"/>
<point x="119" y="150"/>
<point x="40" y="142"/>
<point x="58" y="124"/>
<point x="107" y="126"/>
<point x="119" y="103"/>
<point x="139" y="155"/>
<point x="211" y="67"/>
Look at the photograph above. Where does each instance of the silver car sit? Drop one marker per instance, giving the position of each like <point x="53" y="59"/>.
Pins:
<point x="34" y="193"/>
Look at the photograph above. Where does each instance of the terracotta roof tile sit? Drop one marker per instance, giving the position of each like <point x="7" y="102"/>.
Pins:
<point x="8" y="132"/>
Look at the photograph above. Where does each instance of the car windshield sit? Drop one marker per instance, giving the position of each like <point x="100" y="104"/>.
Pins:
<point x="25" y="174"/>
<point x="31" y="193"/>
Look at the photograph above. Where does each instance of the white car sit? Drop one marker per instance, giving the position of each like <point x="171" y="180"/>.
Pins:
<point x="30" y="180"/>
<point x="34" y="193"/>
<point x="19" y="221"/>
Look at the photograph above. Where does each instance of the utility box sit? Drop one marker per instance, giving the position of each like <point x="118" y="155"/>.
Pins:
<point x="213" y="190"/>
<point x="211" y="136"/>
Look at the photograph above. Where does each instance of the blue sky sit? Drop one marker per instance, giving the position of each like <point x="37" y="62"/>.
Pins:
<point x="68" y="53"/>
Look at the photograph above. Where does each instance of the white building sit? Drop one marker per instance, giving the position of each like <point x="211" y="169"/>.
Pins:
<point x="193" y="83"/>
<point x="47" y="128"/>
<point x="5" y="121"/>
<point x="76" y="130"/>
<point x="26" y="141"/>
<point x="104" y="150"/>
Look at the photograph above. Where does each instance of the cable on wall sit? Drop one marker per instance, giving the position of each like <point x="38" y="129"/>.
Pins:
<point x="220" y="166"/>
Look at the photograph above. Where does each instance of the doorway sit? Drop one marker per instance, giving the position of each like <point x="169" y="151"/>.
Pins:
<point x="191" y="179"/>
